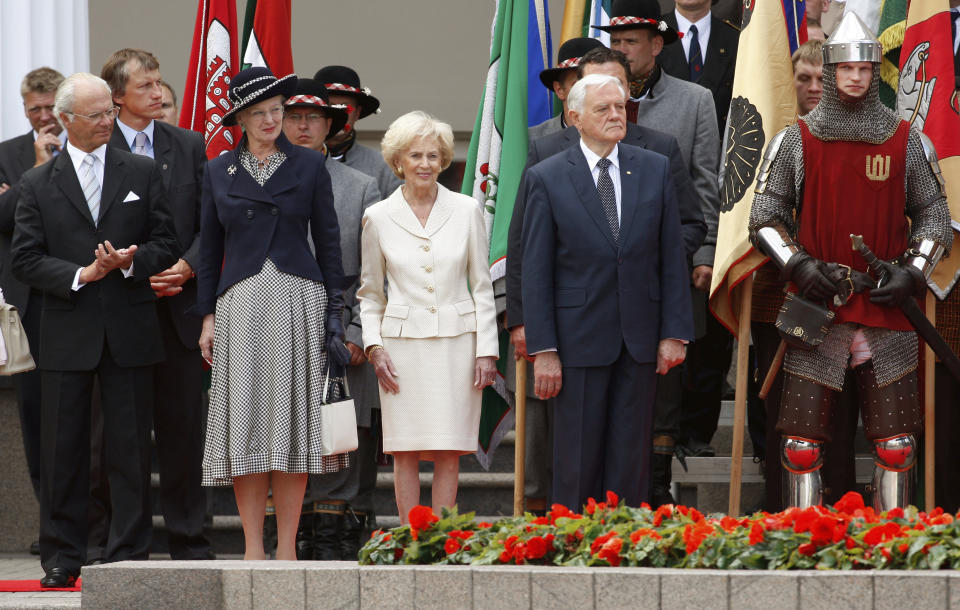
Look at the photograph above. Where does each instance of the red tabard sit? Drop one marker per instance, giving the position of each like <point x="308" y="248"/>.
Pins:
<point x="856" y="187"/>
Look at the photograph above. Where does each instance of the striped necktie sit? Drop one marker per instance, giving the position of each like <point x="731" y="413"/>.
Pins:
<point x="91" y="186"/>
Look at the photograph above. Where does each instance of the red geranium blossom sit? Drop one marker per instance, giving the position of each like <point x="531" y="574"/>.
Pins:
<point x="642" y="532"/>
<point x="756" y="533"/>
<point x="421" y="517"/>
<point x="882" y="533"/>
<point x="807" y="549"/>
<point x="665" y="510"/>
<point x="610" y="551"/>
<point x="849" y="503"/>
<point x="451" y="546"/>
<point x="536" y="548"/>
<point x="805" y="519"/>
<point x="823" y="530"/>
<point x="695" y="534"/>
<point x="612" y="499"/>
<point x="599" y="542"/>
<point x="729" y="524"/>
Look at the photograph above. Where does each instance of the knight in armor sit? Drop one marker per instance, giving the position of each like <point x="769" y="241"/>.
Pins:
<point x="851" y="166"/>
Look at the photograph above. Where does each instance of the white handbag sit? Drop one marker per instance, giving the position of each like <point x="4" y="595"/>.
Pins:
<point x="13" y="338"/>
<point x="338" y="422"/>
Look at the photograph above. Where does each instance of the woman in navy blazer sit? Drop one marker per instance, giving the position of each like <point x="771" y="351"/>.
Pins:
<point x="271" y="311"/>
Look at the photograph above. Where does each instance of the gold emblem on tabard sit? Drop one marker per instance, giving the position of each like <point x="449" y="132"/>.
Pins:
<point x="878" y="167"/>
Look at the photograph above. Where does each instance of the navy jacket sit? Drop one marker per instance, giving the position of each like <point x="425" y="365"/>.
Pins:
<point x="243" y="223"/>
<point x="584" y="295"/>
<point x="692" y="226"/>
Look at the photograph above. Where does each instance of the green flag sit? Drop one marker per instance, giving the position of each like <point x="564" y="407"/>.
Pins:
<point x="513" y="98"/>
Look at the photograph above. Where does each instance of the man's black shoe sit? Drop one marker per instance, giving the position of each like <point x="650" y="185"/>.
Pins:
<point x="58" y="578"/>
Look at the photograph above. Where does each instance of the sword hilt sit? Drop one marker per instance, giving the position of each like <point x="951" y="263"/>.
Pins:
<point x="872" y="261"/>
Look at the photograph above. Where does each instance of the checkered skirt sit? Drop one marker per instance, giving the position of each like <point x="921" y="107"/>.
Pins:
<point x="269" y="362"/>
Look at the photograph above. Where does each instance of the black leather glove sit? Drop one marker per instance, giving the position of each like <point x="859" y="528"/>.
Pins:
<point x="903" y="282"/>
<point x="337" y="351"/>
<point x="808" y="274"/>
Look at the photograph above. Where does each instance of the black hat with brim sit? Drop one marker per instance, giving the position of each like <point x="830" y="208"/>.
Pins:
<point x="639" y="15"/>
<point x="254" y="85"/>
<point x="568" y="58"/>
<point x="345" y="81"/>
<point x="311" y="94"/>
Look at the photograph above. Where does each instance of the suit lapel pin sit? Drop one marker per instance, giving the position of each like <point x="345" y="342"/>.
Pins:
<point x="232" y="169"/>
<point x="165" y="166"/>
<point x="628" y="172"/>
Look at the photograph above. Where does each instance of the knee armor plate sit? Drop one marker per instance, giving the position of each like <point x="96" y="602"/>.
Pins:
<point x="898" y="453"/>
<point x="801" y="455"/>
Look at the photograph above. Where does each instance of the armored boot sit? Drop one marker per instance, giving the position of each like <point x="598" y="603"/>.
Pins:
<point x="662" y="471"/>
<point x="802" y="459"/>
<point x="893" y="480"/>
<point x="351" y="536"/>
<point x="305" y="533"/>
<point x="327" y="531"/>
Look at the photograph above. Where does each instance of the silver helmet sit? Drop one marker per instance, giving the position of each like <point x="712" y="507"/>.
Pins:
<point x="852" y="41"/>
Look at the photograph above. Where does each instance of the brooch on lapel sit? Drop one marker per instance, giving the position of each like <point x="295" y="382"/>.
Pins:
<point x="232" y="169"/>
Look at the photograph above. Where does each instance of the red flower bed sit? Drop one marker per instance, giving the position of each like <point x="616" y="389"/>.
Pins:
<point x="847" y="535"/>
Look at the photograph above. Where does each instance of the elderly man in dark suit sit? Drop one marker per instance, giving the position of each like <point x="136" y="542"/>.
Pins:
<point x="34" y="148"/>
<point x="605" y="295"/>
<point x="340" y="503"/>
<point x="134" y="78"/>
<point x="92" y="227"/>
<point x="599" y="60"/>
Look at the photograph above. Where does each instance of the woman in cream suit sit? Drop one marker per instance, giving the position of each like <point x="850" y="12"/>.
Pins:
<point x="426" y="305"/>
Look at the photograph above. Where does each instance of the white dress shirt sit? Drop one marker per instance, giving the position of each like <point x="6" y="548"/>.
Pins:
<point x="614" y="171"/>
<point x="129" y="133"/>
<point x="703" y="33"/>
<point x="76" y="157"/>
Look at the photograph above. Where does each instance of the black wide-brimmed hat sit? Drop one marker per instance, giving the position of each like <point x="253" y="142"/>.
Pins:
<point x="311" y="94"/>
<point x="568" y="58"/>
<point x="346" y="81"/>
<point x="639" y="14"/>
<point x="254" y="85"/>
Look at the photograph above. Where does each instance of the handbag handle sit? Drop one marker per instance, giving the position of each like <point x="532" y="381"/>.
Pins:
<point x="326" y="382"/>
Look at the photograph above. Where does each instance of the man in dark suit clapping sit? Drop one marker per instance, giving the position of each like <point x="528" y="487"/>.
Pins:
<point x="606" y="299"/>
<point x="134" y="78"/>
<point x="91" y="228"/>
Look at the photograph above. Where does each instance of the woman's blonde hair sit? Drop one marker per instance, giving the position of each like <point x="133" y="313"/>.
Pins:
<point x="411" y="126"/>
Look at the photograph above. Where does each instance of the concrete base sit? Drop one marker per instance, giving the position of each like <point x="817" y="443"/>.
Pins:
<point x="19" y="511"/>
<point x="239" y="585"/>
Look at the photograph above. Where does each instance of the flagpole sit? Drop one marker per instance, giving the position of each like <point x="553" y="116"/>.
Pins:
<point x="520" y="444"/>
<point x="740" y="403"/>
<point x="929" y="397"/>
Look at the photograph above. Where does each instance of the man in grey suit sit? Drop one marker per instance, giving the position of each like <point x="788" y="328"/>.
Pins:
<point x="34" y="148"/>
<point x="686" y="111"/>
<point x="178" y="415"/>
<point x="341" y="503"/>
<point x="344" y="89"/>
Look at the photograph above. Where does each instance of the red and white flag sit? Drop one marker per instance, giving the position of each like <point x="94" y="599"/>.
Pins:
<point x="213" y="63"/>
<point x="927" y="97"/>
<point x="266" y="36"/>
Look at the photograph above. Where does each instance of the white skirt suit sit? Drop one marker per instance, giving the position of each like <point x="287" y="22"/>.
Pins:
<point x="426" y="297"/>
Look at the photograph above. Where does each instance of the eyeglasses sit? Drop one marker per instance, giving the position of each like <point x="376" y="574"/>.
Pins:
<point x="296" y="117"/>
<point x="96" y="117"/>
<point x="39" y="109"/>
<point x="259" y="115"/>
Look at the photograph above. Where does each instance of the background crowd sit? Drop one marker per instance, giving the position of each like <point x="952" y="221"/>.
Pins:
<point x="304" y="256"/>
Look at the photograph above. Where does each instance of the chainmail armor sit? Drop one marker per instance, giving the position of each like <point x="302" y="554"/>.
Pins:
<point x="775" y="206"/>
<point x="864" y="120"/>
<point x="894" y="355"/>
<point x="926" y="201"/>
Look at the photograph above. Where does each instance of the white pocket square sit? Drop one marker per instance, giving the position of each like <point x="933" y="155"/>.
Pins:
<point x="131" y="196"/>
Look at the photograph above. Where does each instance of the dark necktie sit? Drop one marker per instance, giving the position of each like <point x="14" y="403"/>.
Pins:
<point x="694" y="58"/>
<point x="633" y="109"/>
<point x="608" y="198"/>
<point x="954" y="18"/>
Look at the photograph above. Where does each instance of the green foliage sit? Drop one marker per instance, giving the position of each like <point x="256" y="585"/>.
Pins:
<point x="846" y="536"/>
